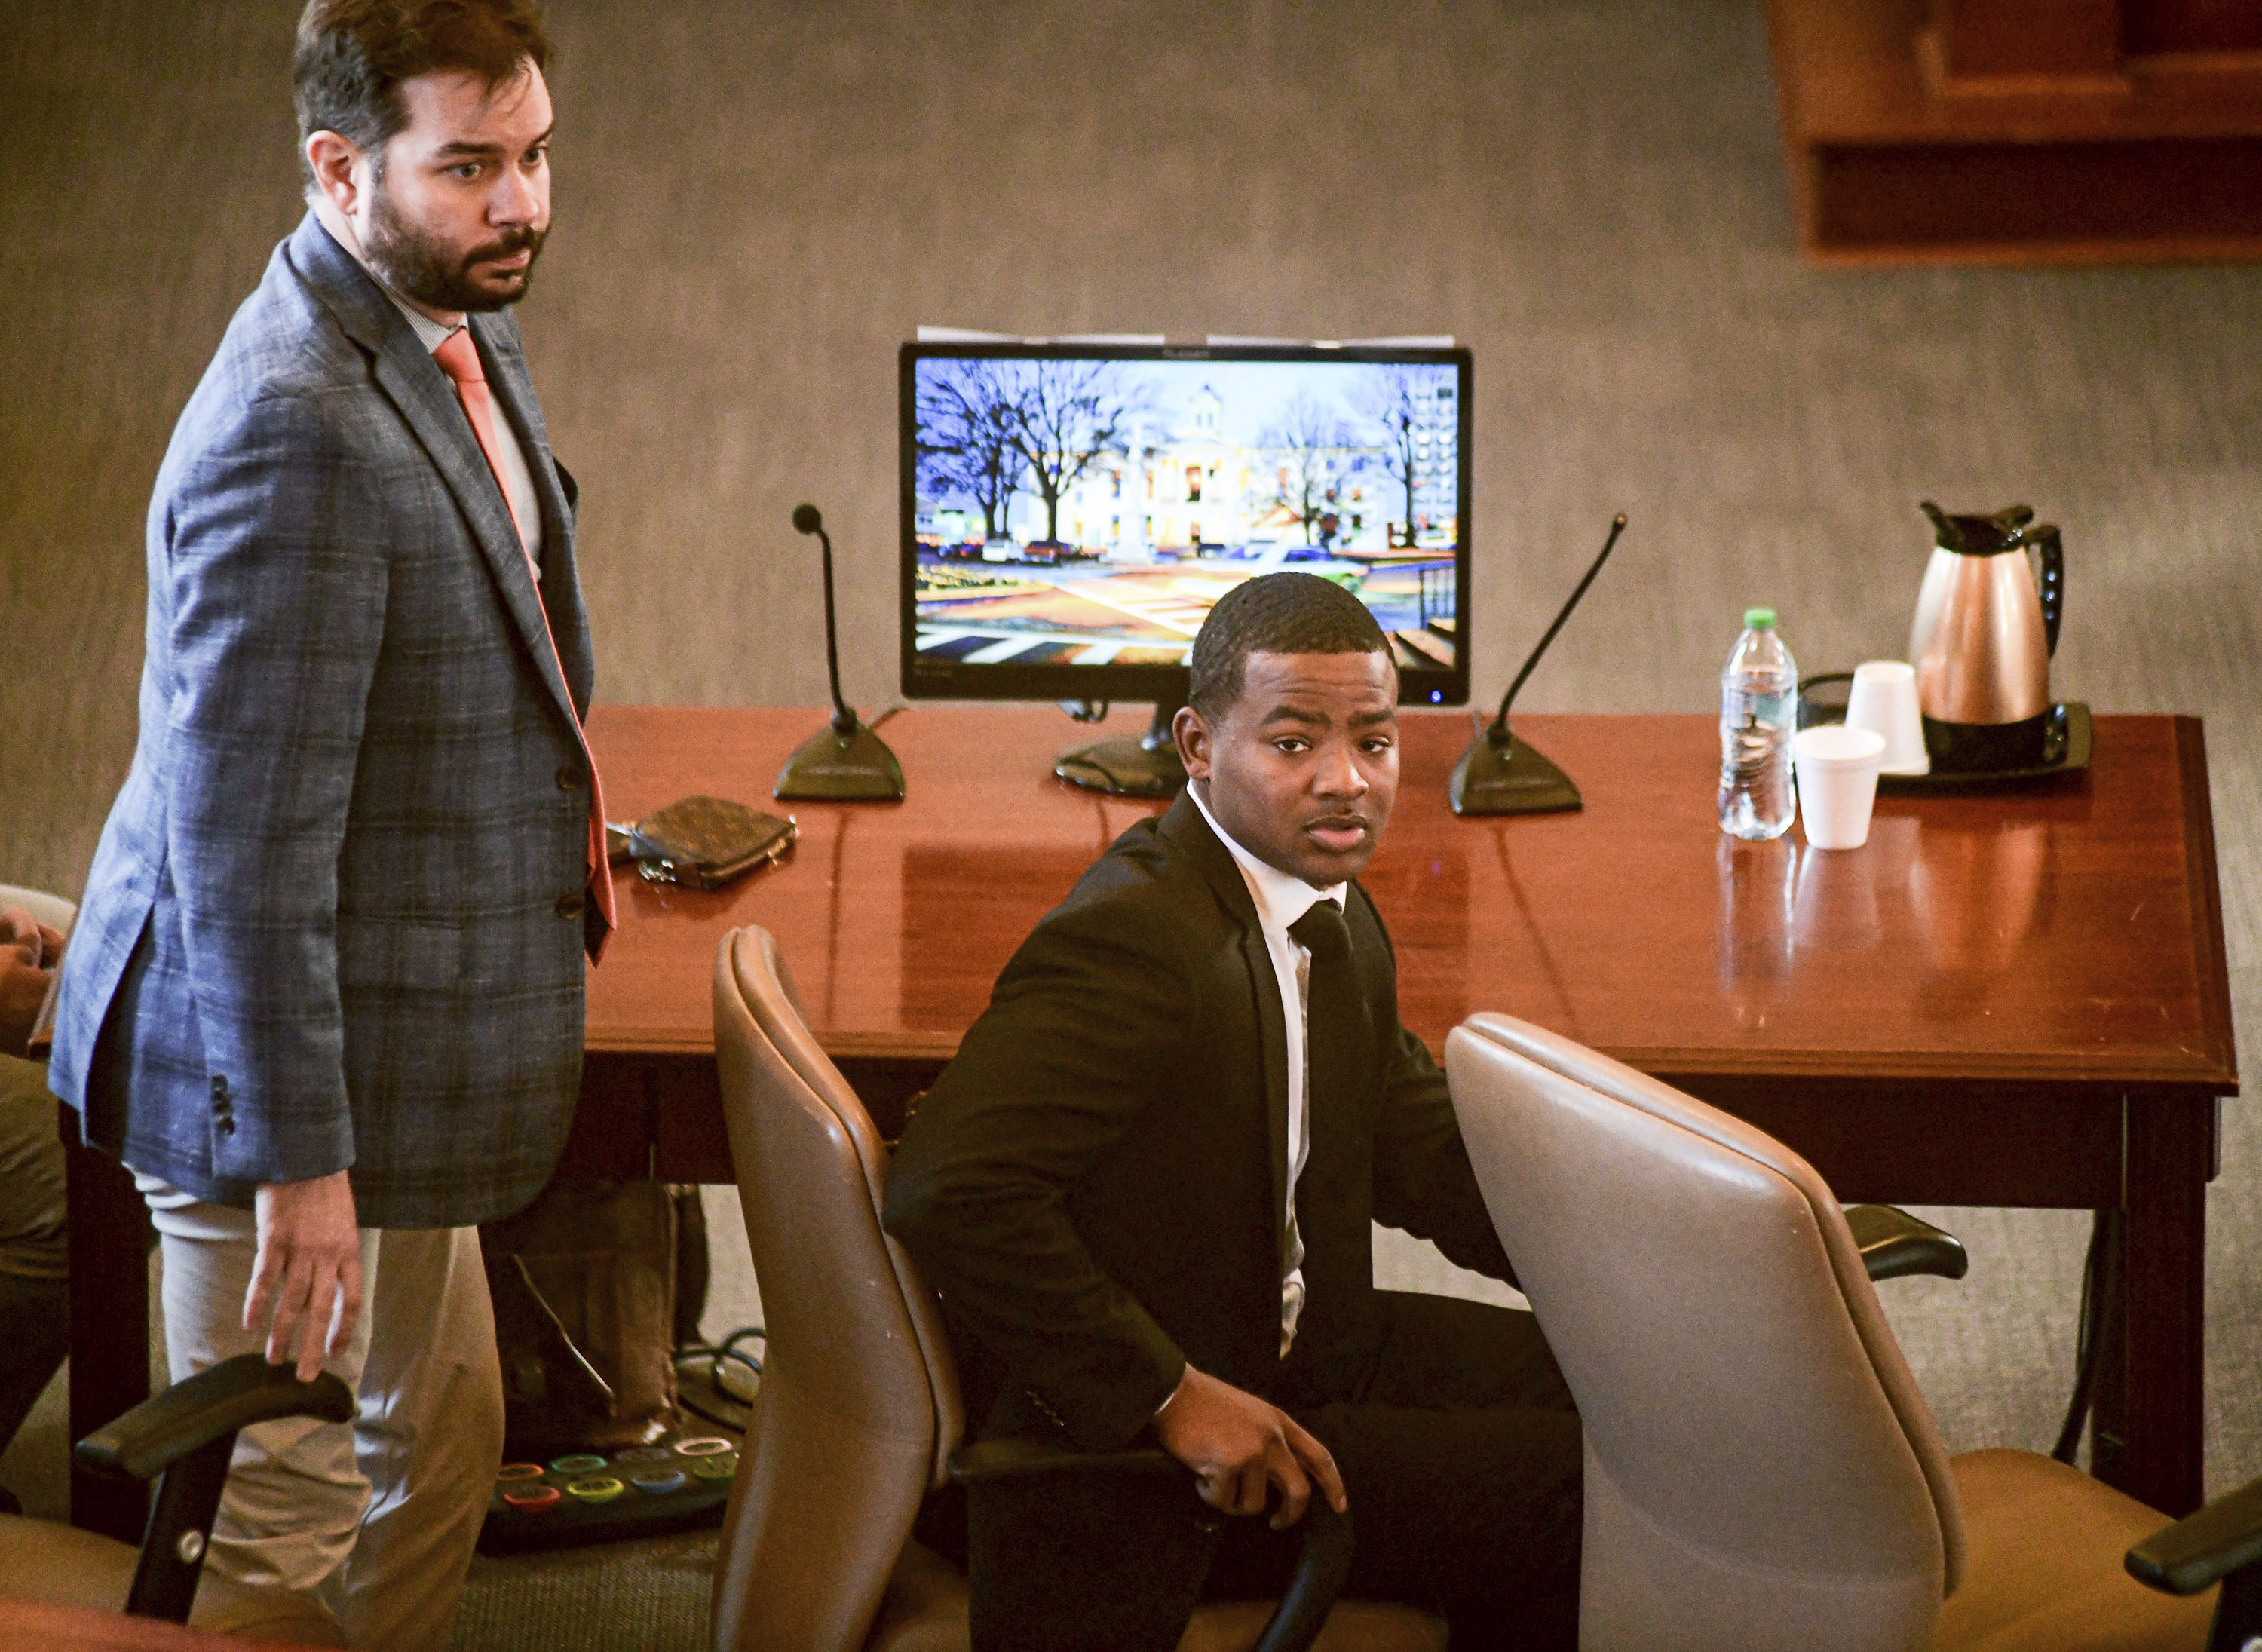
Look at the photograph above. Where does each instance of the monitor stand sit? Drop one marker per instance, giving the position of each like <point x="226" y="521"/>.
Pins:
<point x="1146" y="766"/>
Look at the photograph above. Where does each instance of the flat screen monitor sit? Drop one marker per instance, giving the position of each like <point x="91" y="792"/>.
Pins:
<point x="1070" y="512"/>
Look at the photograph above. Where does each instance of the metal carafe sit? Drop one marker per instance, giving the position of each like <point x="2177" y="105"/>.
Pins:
<point x="1984" y="635"/>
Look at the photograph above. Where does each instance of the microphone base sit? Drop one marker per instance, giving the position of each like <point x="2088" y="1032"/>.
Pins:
<point x="1510" y="779"/>
<point x="1145" y="766"/>
<point x="1123" y="767"/>
<point x="831" y="767"/>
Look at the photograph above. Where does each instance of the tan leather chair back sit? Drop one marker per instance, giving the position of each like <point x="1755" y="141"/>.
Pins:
<point x="858" y="1408"/>
<point x="1761" y="1471"/>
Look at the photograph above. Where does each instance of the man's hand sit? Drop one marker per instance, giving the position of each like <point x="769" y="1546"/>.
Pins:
<point x="29" y="953"/>
<point x="307" y="1272"/>
<point x="1240" y="1446"/>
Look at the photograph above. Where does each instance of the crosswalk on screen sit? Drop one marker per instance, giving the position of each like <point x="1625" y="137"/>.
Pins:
<point x="1074" y="515"/>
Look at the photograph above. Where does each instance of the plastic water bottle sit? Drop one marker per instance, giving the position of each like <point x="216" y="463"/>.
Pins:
<point x="1759" y="713"/>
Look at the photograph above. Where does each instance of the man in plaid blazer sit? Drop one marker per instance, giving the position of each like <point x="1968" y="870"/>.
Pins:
<point x="325" y="997"/>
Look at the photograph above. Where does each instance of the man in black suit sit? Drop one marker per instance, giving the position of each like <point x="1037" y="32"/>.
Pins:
<point x="1149" y="1224"/>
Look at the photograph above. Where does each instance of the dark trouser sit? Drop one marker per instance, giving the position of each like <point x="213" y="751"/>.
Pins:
<point x="1460" y="1452"/>
<point x="34" y="1337"/>
<point x="34" y="1296"/>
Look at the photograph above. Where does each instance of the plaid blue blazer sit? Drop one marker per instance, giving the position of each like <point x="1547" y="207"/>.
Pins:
<point x="336" y="917"/>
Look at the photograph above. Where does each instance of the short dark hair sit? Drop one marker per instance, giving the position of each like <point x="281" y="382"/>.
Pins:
<point x="353" y="54"/>
<point x="1276" y="614"/>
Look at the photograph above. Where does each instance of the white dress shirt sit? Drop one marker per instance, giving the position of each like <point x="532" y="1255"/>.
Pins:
<point x="1281" y="899"/>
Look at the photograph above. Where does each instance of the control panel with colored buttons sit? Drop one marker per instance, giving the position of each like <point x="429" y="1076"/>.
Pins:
<point x="677" y="1483"/>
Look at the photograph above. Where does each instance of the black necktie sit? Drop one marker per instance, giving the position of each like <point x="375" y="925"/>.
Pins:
<point x="1335" y="1033"/>
<point x="1334" y="1018"/>
<point x="1322" y="933"/>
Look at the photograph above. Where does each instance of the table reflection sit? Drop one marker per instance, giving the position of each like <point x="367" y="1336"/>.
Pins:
<point x="1981" y="892"/>
<point x="1757" y="897"/>
<point x="1969" y="896"/>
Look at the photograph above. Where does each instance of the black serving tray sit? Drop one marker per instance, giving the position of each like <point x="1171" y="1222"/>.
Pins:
<point x="2065" y="743"/>
<point x="2065" y="751"/>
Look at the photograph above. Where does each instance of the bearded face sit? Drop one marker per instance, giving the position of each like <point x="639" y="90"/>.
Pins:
<point x="425" y="263"/>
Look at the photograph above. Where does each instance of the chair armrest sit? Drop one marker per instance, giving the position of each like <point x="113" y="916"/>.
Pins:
<point x="215" y="1402"/>
<point x="2202" y="1549"/>
<point x="1321" y="1568"/>
<point x="993" y="1460"/>
<point x="1895" y="1245"/>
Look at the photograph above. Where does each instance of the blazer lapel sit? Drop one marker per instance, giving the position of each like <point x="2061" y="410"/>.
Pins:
<point x="406" y="371"/>
<point x="428" y="402"/>
<point x="514" y="392"/>
<point x="1273" y="1039"/>
<point x="497" y="336"/>
<point x="1184" y="824"/>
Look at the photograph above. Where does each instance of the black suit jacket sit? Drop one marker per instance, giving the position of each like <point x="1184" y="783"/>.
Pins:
<point x="1096" y="1185"/>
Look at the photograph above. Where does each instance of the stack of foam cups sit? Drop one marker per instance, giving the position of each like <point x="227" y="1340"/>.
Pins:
<point x="1883" y="699"/>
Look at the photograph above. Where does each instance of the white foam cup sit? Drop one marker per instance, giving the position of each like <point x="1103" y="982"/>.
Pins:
<point x="1883" y="698"/>
<point x="1837" y="782"/>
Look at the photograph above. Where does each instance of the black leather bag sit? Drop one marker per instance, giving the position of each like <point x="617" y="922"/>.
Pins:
<point x="589" y="1284"/>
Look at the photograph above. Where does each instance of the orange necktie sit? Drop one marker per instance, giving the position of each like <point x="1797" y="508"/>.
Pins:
<point x="459" y="359"/>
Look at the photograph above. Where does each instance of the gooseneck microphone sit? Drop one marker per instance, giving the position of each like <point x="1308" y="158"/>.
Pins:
<point x="1498" y="775"/>
<point x="1498" y="733"/>
<point x="809" y="519"/>
<point x="844" y="761"/>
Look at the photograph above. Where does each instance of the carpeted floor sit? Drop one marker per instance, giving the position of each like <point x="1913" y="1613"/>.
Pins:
<point x="757" y="204"/>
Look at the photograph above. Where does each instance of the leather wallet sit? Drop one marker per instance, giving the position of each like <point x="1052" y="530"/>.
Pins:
<point x="705" y="842"/>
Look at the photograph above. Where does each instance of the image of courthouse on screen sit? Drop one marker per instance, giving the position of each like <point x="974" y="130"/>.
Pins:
<point x="1072" y="511"/>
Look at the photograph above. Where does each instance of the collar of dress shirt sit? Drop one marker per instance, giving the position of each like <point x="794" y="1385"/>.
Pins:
<point x="429" y="333"/>
<point x="1281" y="898"/>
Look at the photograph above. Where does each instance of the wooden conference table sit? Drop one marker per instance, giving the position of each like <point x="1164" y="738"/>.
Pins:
<point x="2015" y="998"/>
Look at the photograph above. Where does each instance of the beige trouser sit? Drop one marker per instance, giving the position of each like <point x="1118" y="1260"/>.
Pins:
<point x="376" y="1520"/>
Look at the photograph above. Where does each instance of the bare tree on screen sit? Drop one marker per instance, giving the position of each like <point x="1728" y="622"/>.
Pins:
<point x="1309" y="437"/>
<point x="1066" y="414"/>
<point x="967" y="414"/>
<point x="1393" y="404"/>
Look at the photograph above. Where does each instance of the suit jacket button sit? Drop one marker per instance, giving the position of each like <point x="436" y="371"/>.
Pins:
<point x="570" y="906"/>
<point x="219" y="1088"/>
<point x="226" y="1126"/>
<point x="569" y="779"/>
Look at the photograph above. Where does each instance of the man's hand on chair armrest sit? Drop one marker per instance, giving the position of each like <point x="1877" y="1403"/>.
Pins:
<point x="1239" y="1447"/>
<point x="219" y="1399"/>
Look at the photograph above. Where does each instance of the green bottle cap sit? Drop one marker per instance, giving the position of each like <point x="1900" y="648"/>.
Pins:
<point x="1759" y="619"/>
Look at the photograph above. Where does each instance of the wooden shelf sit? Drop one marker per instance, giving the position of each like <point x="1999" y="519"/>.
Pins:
<point x="1895" y="156"/>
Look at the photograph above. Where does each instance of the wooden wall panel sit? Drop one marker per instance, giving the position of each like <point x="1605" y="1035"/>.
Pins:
<point x="2191" y="26"/>
<point x="2022" y="131"/>
<point x="2028" y="38"/>
<point x="2095" y="195"/>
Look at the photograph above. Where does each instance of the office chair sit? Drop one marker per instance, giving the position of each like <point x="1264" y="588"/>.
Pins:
<point x="184" y="1438"/>
<point x="859" y="1414"/>
<point x="52" y="910"/>
<point x="1761" y="1471"/>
